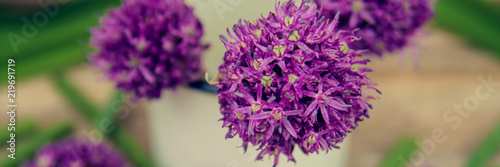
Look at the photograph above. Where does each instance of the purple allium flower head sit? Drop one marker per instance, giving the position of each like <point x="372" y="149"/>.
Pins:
<point x="78" y="153"/>
<point x="385" y="25"/>
<point x="148" y="45"/>
<point x="291" y="79"/>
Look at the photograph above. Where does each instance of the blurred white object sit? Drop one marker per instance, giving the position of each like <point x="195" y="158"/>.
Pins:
<point x="186" y="133"/>
<point x="219" y="15"/>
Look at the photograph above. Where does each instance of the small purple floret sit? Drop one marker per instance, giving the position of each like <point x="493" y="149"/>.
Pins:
<point x="78" y="153"/>
<point x="384" y="25"/>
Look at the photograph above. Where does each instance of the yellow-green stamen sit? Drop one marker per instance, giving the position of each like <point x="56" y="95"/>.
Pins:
<point x="266" y="81"/>
<point x="357" y="6"/>
<point x="243" y="44"/>
<point x="323" y="98"/>
<point x="354" y="67"/>
<point x="134" y="63"/>
<point x="294" y="36"/>
<point x="256" y="64"/>
<point x="311" y="139"/>
<point x="278" y="50"/>
<point x="288" y="21"/>
<point x="278" y="114"/>
<point x="299" y="59"/>
<point x="141" y="46"/>
<point x="234" y="76"/>
<point x="258" y="32"/>
<point x="240" y="116"/>
<point x="256" y="107"/>
<point x="343" y="47"/>
<point x="292" y="78"/>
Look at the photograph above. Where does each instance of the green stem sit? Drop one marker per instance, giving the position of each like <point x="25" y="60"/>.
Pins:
<point x="28" y="148"/>
<point x="123" y="139"/>
<point x="66" y="56"/>
<point x="74" y="97"/>
<point x="118" y="135"/>
<point x="472" y="20"/>
<point x="400" y="153"/>
<point x="107" y="116"/>
<point x="24" y="128"/>
<point x="486" y="149"/>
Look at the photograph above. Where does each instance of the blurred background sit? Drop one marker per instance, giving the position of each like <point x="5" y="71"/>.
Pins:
<point x="446" y="96"/>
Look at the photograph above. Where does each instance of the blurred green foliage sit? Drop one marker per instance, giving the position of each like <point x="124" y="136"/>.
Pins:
<point x="74" y="96"/>
<point x="476" y="21"/>
<point x="69" y="25"/>
<point x="62" y="42"/>
<point x="402" y="149"/>
<point x="486" y="150"/>
<point x="24" y="128"/>
<point x="120" y="136"/>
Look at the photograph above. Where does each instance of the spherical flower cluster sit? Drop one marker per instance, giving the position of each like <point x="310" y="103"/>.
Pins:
<point x="291" y="79"/>
<point x="77" y="153"/>
<point x="148" y="45"/>
<point x="385" y="25"/>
